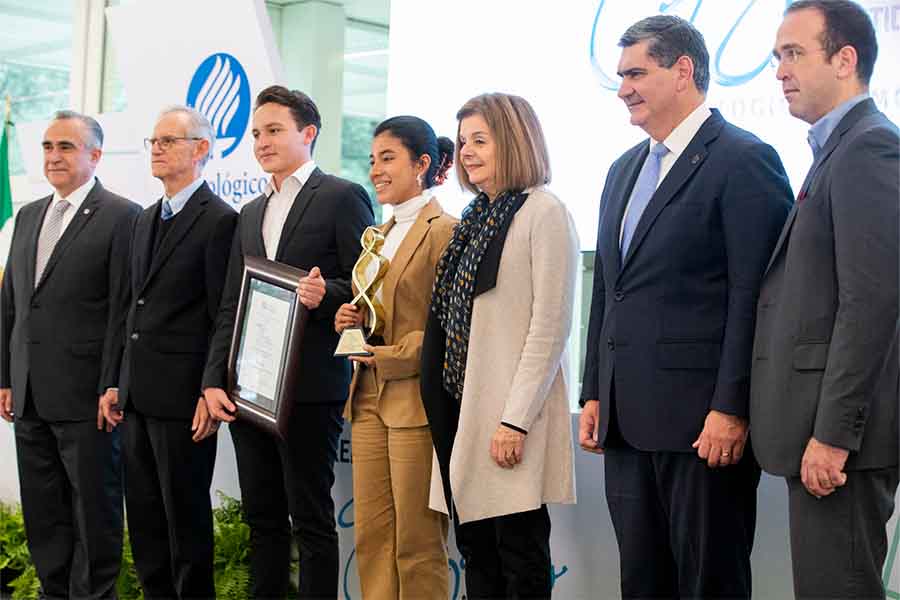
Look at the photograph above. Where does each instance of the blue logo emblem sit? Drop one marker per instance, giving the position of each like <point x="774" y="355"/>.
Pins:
<point x="220" y="90"/>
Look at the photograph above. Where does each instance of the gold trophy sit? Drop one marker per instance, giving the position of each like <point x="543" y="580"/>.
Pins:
<point x="353" y="338"/>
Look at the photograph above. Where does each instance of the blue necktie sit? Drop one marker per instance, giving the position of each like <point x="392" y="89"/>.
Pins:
<point x="813" y="144"/>
<point x="166" y="212"/>
<point x="643" y="191"/>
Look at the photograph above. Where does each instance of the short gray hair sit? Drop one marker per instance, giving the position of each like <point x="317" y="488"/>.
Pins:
<point x="199" y="126"/>
<point x="95" y="132"/>
<point x="671" y="38"/>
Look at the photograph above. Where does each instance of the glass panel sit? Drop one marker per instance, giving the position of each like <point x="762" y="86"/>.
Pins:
<point x="35" y="61"/>
<point x="365" y="91"/>
<point x="112" y="98"/>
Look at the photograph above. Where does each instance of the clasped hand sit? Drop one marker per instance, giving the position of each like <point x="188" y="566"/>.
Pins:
<point x="507" y="447"/>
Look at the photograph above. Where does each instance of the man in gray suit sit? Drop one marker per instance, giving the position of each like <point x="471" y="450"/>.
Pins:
<point x="825" y="376"/>
<point x="60" y="347"/>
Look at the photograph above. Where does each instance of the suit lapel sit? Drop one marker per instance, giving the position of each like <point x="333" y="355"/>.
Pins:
<point x="621" y="192"/>
<point x="184" y="221"/>
<point x="85" y="213"/>
<point x="301" y="203"/>
<point x="859" y="111"/>
<point x="411" y="242"/>
<point x="143" y="243"/>
<point x="33" y="237"/>
<point x="683" y="169"/>
<point x="255" y="219"/>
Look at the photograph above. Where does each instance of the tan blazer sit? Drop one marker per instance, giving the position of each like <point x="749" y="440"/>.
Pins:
<point x="406" y="295"/>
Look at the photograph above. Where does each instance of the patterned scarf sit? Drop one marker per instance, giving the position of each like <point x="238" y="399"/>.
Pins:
<point x="454" y="286"/>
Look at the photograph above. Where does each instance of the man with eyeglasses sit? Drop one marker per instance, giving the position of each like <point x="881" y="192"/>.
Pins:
<point x="60" y="342"/>
<point x="178" y="262"/>
<point x="825" y="374"/>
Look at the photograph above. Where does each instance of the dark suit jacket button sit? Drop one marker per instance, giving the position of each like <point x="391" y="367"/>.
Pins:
<point x="135" y="335"/>
<point x="611" y="344"/>
<point x="141" y="302"/>
<point x="619" y="296"/>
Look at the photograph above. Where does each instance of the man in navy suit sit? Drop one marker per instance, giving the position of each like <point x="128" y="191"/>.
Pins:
<point x="688" y="220"/>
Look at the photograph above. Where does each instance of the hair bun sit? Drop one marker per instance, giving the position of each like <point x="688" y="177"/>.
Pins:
<point x="445" y="151"/>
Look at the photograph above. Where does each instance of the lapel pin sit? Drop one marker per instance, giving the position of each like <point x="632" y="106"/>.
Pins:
<point x="87" y="211"/>
<point x="695" y="159"/>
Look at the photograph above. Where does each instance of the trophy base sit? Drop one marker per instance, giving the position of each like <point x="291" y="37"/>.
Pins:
<point x="351" y="343"/>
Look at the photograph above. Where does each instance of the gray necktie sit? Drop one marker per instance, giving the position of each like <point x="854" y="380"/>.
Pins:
<point x="50" y="233"/>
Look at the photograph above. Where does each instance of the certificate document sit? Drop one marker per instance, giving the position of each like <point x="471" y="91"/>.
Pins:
<point x="263" y="341"/>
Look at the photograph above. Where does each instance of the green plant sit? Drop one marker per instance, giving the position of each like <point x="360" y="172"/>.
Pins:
<point x="232" y="547"/>
<point x="127" y="585"/>
<point x="231" y="561"/>
<point x="16" y="571"/>
<point x="27" y="585"/>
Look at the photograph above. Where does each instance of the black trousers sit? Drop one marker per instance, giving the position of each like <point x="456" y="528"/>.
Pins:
<point x="167" y="479"/>
<point x="507" y="556"/>
<point x="684" y="530"/>
<point x="291" y="479"/>
<point x="70" y="482"/>
<point x="839" y="542"/>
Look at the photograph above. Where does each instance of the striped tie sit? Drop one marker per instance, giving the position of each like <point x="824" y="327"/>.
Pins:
<point x="49" y="236"/>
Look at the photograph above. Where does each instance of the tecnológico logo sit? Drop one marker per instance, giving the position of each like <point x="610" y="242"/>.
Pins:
<point x="220" y="90"/>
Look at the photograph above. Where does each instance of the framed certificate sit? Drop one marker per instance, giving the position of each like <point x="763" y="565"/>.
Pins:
<point x="265" y="345"/>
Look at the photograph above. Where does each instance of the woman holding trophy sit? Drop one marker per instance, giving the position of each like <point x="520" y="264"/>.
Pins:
<point x="400" y="543"/>
<point x="493" y="358"/>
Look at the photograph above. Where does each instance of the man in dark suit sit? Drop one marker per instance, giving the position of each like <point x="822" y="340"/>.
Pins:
<point x="179" y="258"/>
<point x="825" y="372"/>
<point x="313" y="221"/>
<point x="59" y="351"/>
<point x="687" y="222"/>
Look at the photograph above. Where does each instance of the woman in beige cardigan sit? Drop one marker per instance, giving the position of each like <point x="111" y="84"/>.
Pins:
<point x="400" y="543"/>
<point x="494" y="364"/>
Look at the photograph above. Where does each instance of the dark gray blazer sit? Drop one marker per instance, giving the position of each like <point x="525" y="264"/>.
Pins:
<point x="62" y="337"/>
<point x="825" y="353"/>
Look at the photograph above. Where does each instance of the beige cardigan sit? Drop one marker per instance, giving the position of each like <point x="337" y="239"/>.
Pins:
<point x="516" y="372"/>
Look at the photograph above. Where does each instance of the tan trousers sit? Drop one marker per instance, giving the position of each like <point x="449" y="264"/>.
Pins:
<point x="401" y="545"/>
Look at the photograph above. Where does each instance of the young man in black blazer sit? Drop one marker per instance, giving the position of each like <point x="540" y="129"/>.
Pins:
<point x="60" y="343"/>
<point x="314" y="221"/>
<point x="179" y="256"/>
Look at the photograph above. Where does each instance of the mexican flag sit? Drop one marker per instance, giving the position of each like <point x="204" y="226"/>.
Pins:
<point x="6" y="207"/>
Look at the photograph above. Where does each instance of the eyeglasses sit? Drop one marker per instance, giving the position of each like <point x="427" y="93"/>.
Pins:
<point x="165" y="142"/>
<point x="790" y="56"/>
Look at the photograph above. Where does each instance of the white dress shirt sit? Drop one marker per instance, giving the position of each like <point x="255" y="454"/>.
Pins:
<point x="75" y="199"/>
<point x="676" y="142"/>
<point x="279" y="205"/>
